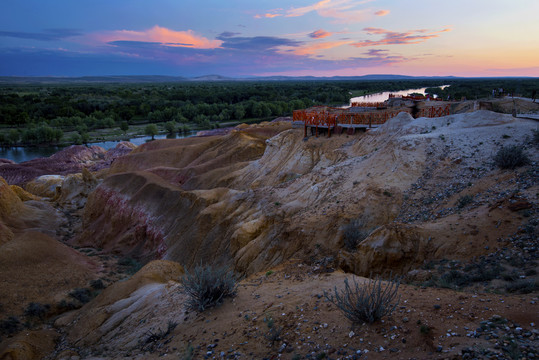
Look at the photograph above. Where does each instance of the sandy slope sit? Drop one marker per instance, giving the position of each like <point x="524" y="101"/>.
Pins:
<point x="264" y="198"/>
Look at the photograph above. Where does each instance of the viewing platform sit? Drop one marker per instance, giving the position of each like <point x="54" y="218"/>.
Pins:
<point x="361" y="115"/>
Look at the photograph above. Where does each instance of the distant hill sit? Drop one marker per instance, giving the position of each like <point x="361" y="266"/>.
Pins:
<point x="134" y="79"/>
<point x="211" y="78"/>
<point x="357" y="78"/>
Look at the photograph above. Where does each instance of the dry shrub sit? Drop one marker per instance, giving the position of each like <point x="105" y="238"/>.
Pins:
<point x="368" y="302"/>
<point x="510" y="157"/>
<point x="354" y="233"/>
<point x="207" y="286"/>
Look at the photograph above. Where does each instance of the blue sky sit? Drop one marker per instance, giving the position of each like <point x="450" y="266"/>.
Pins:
<point x="263" y="38"/>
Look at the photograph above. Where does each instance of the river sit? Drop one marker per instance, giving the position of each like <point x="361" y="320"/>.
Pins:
<point x="383" y="96"/>
<point x="20" y="154"/>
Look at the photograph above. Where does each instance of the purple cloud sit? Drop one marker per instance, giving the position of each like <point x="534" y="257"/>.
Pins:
<point x="257" y="43"/>
<point x="47" y="35"/>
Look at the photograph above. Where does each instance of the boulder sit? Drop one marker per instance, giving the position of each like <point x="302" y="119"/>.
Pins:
<point x="75" y="188"/>
<point x="45" y="185"/>
<point x="125" y="313"/>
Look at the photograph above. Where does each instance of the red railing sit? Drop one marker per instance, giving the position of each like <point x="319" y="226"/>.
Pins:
<point x="378" y="105"/>
<point x="327" y="117"/>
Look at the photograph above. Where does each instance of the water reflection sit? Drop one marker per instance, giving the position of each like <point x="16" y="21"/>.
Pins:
<point x="21" y="154"/>
<point x="383" y="96"/>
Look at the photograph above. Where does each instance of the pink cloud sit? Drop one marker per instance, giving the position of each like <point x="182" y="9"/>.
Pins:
<point x="158" y="34"/>
<point x="381" y="13"/>
<point x="341" y="10"/>
<point x="306" y="9"/>
<point x="320" y="34"/>
<point x="312" y="49"/>
<point x="267" y="15"/>
<point x="397" y="38"/>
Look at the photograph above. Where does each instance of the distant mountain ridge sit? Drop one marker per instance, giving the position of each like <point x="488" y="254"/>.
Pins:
<point x="134" y="79"/>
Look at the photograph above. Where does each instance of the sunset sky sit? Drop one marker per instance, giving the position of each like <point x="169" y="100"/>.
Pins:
<point x="239" y="38"/>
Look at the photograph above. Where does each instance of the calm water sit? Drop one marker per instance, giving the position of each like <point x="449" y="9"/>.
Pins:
<point x="379" y="97"/>
<point x="20" y="154"/>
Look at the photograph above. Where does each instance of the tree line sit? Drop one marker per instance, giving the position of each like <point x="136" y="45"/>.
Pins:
<point x="37" y="114"/>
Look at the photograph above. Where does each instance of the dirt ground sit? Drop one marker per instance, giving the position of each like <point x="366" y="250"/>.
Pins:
<point x="283" y="313"/>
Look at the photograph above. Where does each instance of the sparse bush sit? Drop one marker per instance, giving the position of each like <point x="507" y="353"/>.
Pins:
<point x="536" y="136"/>
<point x="464" y="200"/>
<point x="424" y="329"/>
<point x="512" y="350"/>
<point x="83" y="295"/>
<point x="368" y="302"/>
<point x="10" y="325"/>
<point x="151" y="342"/>
<point x="36" y="310"/>
<point x="510" y="276"/>
<point x="64" y="305"/>
<point x="483" y="271"/>
<point x="453" y="278"/>
<point x="97" y="284"/>
<point x="354" y="233"/>
<point x="530" y="272"/>
<point x="188" y="353"/>
<point x="522" y="286"/>
<point x="130" y="265"/>
<point x="207" y="286"/>
<point x="274" y="333"/>
<point x="510" y="157"/>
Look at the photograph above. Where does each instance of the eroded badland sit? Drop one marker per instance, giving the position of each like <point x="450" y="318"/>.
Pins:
<point x="423" y="197"/>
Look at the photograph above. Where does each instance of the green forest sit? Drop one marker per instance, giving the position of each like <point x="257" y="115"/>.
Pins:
<point x="82" y="113"/>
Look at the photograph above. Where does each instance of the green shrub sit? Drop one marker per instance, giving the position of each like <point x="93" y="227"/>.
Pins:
<point x="170" y="127"/>
<point x="522" y="286"/>
<point x="368" y="302"/>
<point x="36" y="310"/>
<point x="151" y="130"/>
<point x="453" y="279"/>
<point x="464" y="200"/>
<point x="207" y="286"/>
<point x="10" y="325"/>
<point x="510" y="157"/>
<point x="97" y="284"/>
<point x="64" y="305"/>
<point x="130" y="265"/>
<point x="424" y="329"/>
<point x="83" y="295"/>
